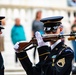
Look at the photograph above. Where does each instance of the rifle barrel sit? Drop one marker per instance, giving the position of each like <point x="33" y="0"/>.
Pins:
<point x="57" y="35"/>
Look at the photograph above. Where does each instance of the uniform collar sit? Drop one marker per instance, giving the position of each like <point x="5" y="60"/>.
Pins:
<point x="54" y="45"/>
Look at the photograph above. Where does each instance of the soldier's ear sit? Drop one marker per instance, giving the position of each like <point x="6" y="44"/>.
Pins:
<point x="61" y="29"/>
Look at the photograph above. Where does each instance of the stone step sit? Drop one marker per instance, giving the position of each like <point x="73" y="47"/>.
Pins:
<point x="15" y="71"/>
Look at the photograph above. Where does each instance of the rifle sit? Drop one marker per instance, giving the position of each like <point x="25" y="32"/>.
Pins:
<point x="46" y="38"/>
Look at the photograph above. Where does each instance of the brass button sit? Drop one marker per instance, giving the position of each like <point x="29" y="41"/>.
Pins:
<point x="56" y="49"/>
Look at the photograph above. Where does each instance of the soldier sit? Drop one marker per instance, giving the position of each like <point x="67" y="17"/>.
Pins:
<point x="55" y="59"/>
<point x="1" y="58"/>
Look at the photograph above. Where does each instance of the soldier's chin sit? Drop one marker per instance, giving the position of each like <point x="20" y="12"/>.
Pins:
<point x="0" y="32"/>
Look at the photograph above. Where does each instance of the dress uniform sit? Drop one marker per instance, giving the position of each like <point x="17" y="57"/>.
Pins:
<point x="1" y="58"/>
<point x="54" y="60"/>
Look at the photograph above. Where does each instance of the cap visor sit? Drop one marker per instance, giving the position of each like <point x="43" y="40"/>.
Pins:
<point x="1" y="28"/>
<point x="2" y="17"/>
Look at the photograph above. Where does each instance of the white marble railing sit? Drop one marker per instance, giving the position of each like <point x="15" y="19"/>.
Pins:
<point x="27" y="15"/>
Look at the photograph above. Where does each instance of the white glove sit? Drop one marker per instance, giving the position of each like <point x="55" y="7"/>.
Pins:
<point x="16" y="46"/>
<point x="40" y="39"/>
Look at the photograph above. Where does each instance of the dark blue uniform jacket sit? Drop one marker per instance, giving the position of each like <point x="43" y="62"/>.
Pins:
<point x="52" y="62"/>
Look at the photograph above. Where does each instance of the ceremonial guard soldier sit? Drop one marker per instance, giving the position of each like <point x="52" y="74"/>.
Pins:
<point x="1" y="58"/>
<point x="55" y="59"/>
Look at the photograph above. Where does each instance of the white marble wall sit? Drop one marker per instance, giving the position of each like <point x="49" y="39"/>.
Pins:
<point x="46" y="3"/>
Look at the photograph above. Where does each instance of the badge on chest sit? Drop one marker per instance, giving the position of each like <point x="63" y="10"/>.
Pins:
<point x="61" y="62"/>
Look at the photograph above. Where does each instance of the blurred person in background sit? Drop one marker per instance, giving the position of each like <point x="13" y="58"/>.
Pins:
<point x="73" y="30"/>
<point x="71" y="3"/>
<point x="36" y="24"/>
<point x="1" y="58"/>
<point x="17" y="34"/>
<point x="3" y="22"/>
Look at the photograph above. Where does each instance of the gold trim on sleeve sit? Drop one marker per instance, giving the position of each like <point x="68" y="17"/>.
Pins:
<point x="44" y="53"/>
<point x="22" y="58"/>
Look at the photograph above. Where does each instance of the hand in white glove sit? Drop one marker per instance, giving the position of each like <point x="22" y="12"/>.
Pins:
<point x="40" y="39"/>
<point x="16" y="46"/>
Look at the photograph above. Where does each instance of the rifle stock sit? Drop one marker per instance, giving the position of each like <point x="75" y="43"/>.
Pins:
<point x="22" y="45"/>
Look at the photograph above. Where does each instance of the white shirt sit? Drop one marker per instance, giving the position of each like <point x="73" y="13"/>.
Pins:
<point x="57" y="42"/>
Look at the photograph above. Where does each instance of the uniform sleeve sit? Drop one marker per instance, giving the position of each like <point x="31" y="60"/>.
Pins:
<point x="25" y="62"/>
<point x="43" y="53"/>
<point x="63" y="65"/>
<point x="27" y="65"/>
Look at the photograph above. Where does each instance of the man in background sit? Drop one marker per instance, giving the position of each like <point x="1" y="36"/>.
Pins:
<point x="17" y="33"/>
<point x="37" y="25"/>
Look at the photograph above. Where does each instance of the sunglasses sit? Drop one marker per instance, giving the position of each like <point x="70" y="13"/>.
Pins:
<point x="51" y="29"/>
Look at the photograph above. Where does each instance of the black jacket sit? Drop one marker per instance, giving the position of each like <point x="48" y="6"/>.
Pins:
<point x="52" y="62"/>
<point x="1" y="61"/>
